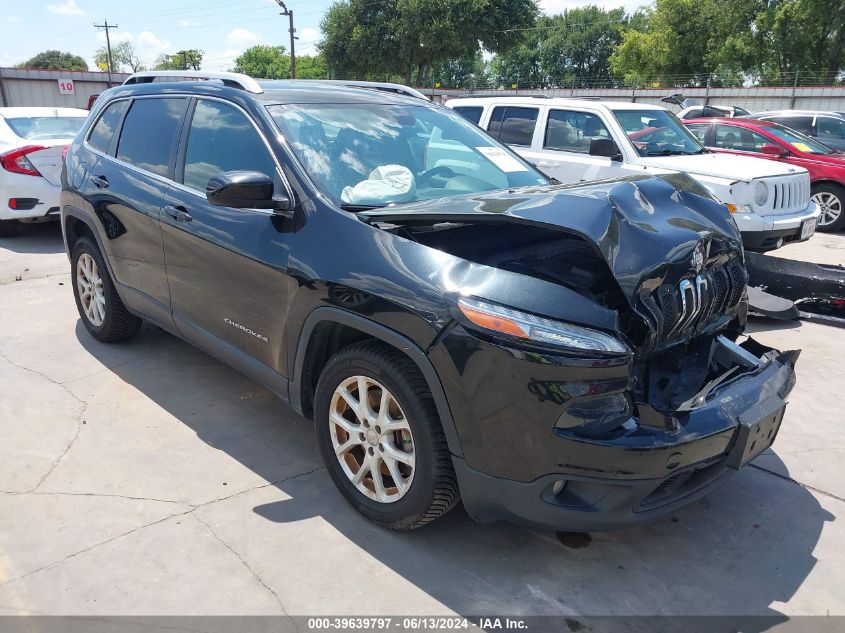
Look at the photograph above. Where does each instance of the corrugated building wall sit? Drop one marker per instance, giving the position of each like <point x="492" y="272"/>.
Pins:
<point x="36" y="87"/>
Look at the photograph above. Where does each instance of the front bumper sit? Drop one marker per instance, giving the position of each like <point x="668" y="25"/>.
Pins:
<point x="517" y="465"/>
<point x="764" y="232"/>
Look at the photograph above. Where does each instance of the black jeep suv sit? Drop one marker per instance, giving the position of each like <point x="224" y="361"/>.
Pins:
<point x="457" y="326"/>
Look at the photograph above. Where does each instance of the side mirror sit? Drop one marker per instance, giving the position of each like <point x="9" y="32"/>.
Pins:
<point x="247" y="190"/>
<point x="605" y="147"/>
<point x="770" y="149"/>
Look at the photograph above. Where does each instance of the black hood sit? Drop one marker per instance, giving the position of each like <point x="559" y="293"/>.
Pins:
<point x="648" y="229"/>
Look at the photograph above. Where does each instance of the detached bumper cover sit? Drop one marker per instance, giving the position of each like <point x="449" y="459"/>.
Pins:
<point x="588" y="485"/>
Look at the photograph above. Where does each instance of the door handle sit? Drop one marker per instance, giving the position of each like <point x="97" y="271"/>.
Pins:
<point x="100" y="182"/>
<point x="178" y="213"/>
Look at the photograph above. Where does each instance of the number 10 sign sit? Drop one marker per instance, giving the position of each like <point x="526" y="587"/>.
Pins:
<point x="66" y="86"/>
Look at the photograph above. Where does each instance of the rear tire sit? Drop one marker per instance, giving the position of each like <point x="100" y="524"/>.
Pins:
<point x="397" y="449"/>
<point x="831" y="198"/>
<point x="100" y="308"/>
<point x="8" y="228"/>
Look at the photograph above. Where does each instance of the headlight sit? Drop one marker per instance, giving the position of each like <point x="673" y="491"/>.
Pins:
<point x="522" y="325"/>
<point x="761" y="193"/>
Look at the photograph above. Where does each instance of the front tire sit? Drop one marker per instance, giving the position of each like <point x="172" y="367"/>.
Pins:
<point x="831" y="199"/>
<point x="100" y="308"/>
<point x="381" y="438"/>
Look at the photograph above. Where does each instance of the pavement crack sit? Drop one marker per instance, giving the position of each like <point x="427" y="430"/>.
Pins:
<point x="79" y="418"/>
<point x="798" y="483"/>
<point x="93" y="494"/>
<point x="244" y="563"/>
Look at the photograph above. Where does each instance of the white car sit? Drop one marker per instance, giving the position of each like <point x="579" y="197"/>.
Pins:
<point x="31" y="144"/>
<point x="577" y="140"/>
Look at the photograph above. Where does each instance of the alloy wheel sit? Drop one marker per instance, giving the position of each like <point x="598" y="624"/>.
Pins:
<point x="372" y="439"/>
<point x="89" y="284"/>
<point x="830" y="205"/>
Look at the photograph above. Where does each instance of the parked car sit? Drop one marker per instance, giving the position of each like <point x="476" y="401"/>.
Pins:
<point x="766" y="139"/>
<point x="577" y="141"/>
<point x="455" y="325"/>
<point x="31" y="145"/>
<point x="693" y="108"/>
<point x="825" y="127"/>
<point x="697" y="111"/>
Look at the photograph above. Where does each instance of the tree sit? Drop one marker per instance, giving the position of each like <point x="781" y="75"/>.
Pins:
<point x="122" y="54"/>
<point x="183" y="60"/>
<point x="560" y="49"/>
<point x="57" y="60"/>
<point x="408" y="37"/>
<point x="273" y="62"/>
<point x="264" y="61"/>
<point x="470" y="71"/>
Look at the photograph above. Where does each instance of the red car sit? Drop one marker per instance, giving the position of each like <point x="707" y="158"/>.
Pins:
<point x="764" y="139"/>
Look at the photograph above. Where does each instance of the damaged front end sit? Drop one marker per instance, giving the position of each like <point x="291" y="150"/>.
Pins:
<point x="588" y="436"/>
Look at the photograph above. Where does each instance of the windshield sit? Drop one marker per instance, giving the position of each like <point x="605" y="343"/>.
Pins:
<point x="46" y="127"/>
<point x="373" y="155"/>
<point x="799" y="141"/>
<point x="657" y="133"/>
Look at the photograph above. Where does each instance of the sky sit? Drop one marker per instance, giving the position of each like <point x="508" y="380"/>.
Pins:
<point x="221" y="28"/>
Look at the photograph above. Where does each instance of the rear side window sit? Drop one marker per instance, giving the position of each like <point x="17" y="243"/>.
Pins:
<point x="828" y="127"/>
<point x="803" y="124"/>
<point x="149" y="132"/>
<point x="572" y="131"/>
<point x="104" y="130"/>
<point x="223" y="139"/>
<point x="470" y="113"/>
<point x="513" y="125"/>
<point x="740" y="139"/>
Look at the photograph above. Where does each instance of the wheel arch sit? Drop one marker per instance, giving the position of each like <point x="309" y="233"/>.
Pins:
<point x="328" y="329"/>
<point x="77" y="224"/>
<point x="827" y="181"/>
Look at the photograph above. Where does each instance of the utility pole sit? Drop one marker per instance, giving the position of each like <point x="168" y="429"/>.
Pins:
<point x="292" y="31"/>
<point x="106" y="26"/>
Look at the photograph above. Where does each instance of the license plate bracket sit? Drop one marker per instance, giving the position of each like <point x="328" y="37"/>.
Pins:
<point x="808" y="227"/>
<point x="756" y="432"/>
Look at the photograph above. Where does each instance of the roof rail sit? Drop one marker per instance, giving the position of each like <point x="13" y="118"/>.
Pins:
<point x="233" y="80"/>
<point x="505" y="95"/>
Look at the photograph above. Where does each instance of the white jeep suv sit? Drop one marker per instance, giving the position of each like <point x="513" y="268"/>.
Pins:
<point x="577" y="140"/>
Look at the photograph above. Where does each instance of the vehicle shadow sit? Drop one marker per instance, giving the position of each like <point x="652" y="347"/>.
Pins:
<point x="738" y="551"/>
<point x="38" y="239"/>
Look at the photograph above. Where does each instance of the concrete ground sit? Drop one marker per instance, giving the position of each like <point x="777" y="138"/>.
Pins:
<point x="148" y="478"/>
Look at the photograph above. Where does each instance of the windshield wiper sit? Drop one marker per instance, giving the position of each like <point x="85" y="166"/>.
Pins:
<point x="354" y="208"/>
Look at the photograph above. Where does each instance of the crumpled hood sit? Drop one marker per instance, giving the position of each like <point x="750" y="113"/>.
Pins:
<point x="642" y="225"/>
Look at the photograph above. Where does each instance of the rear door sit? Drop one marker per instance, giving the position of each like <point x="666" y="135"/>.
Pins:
<point x="135" y="141"/>
<point x="227" y="267"/>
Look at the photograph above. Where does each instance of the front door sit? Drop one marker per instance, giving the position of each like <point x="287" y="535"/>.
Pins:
<point x="563" y="148"/>
<point x="226" y="267"/>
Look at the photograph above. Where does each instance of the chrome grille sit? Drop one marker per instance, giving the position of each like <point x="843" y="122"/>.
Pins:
<point x="693" y="303"/>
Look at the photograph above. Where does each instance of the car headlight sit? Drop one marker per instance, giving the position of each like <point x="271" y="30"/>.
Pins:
<point x="497" y="318"/>
<point x="761" y="193"/>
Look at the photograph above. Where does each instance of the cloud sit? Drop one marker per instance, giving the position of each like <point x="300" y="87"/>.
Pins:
<point x="190" y="23"/>
<point x="307" y="43"/>
<point x="150" y="44"/>
<point x="115" y="36"/>
<point x="68" y="7"/>
<point x="14" y="19"/>
<point x="242" y="37"/>
<point x="222" y="60"/>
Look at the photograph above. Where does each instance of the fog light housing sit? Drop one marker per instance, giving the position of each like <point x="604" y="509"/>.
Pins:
<point x="597" y="415"/>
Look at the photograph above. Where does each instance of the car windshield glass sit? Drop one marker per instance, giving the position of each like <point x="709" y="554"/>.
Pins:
<point x="799" y="141"/>
<point x="374" y="155"/>
<point x="657" y="133"/>
<point x="46" y="127"/>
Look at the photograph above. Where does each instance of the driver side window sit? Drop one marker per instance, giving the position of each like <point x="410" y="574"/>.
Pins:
<point x="739" y="139"/>
<point x="222" y="139"/>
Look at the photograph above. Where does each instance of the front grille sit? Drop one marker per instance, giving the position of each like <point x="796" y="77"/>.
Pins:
<point x="789" y="194"/>
<point x="690" y="305"/>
